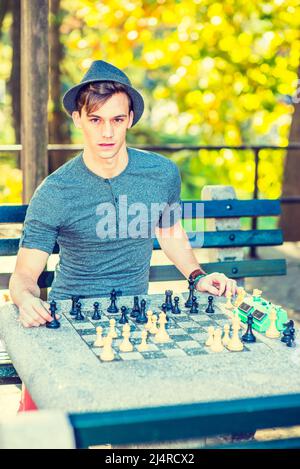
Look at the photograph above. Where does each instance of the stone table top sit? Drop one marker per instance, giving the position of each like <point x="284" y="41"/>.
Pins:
<point x="62" y="372"/>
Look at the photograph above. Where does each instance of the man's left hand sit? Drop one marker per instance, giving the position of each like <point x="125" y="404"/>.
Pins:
<point x="217" y="284"/>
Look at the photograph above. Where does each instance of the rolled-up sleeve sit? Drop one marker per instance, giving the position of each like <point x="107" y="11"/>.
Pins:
<point x="42" y="221"/>
<point x="172" y="211"/>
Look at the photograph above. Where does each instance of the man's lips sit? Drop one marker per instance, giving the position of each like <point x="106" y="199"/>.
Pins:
<point x="105" y="144"/>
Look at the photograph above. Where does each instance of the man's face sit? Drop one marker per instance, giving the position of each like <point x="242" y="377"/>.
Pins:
<point x="104" y="130"/>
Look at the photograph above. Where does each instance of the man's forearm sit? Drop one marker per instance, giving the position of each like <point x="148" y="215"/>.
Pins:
<point x="178" y="249"/>
<point x="21" y="286"/>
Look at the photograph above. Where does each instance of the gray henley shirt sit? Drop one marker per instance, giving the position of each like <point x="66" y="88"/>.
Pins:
<point x="104" y="227"/>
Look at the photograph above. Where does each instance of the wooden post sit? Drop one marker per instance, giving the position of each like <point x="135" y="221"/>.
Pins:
<point x="34" y="93"/>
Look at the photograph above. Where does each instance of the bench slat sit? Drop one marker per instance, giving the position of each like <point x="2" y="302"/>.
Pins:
<point x="185" y="420"/>
<point x="10" y="246"/>
<point x="233" y="269"/>
<point x="212" y="209"/>
<point x="233" y="238"/>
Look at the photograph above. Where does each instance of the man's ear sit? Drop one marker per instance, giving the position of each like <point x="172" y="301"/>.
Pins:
<point x="76" y="119"/>
<point x="131" y="115"/>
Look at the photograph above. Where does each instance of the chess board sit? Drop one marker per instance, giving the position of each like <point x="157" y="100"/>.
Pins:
<point x="188" y="332"/>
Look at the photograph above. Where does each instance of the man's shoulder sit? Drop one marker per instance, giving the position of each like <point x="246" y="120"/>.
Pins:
<point x="60" y="175"/>
<point x="148" y="158"/>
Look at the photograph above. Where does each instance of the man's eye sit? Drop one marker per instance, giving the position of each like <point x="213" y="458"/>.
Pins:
<point x="119" y="120"/>
<point x="94" y="120"/>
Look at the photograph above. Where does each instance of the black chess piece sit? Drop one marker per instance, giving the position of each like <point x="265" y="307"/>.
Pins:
<point x="136" y="308"/>
<point x="194" y="309"/>
<point x="54" y="324"/>
<point x="142" y="318"/>
<point x="113" y="309"/>
<point x="249" y="337"/>
<point x="168" y="300"/>
<point x="176" y="309"/>
<point x="286" y="332"/>
<point x="189" y="301"/>
<point x="96" y="316"/>
<point x="164" y="310"/>
<point x="123" y="319"/>
<point x="75" y="298"/>
<point x="291" y="338"/>
<point x="79" y="316"/>
<point x="210" y="308"/>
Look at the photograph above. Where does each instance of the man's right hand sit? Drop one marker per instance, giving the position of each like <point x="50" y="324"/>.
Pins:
<point x="34" y="312"/>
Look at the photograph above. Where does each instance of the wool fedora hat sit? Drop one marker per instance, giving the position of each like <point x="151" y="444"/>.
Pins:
<point x="104" y="71"/>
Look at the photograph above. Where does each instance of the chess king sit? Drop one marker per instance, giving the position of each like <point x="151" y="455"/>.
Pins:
<point x="77" y="207"/>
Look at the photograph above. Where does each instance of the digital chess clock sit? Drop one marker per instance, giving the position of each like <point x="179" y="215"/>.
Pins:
<point x="260" y="310"/>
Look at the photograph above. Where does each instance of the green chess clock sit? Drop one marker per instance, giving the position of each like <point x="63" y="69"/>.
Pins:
<point x="260" y="310"/>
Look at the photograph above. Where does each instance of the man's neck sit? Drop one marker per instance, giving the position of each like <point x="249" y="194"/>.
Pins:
<point x="106" y="168"/>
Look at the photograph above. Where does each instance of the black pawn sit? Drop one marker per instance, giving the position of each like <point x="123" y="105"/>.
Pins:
<point x="113" y="309"/>
<point x="291" y="338"/>
<point x="54" y="324"/>
<point x="142" y="318"/>
<point x="74" y="301"/>
<point x="286" y="332"/>
<point x="79" y="316"/>
<point x="168" y="300"/>
<point x="136" y="308"/>
<point x="164" y="310"/>
<point x="123" y="319"/>
<point x="194" y="309"/>
<point x="176" y="309"/>
<point x="249" y="337"/>
<point x="96" y="316"/>
<point x="210" y="308"/>
<point x="189" y="301"/>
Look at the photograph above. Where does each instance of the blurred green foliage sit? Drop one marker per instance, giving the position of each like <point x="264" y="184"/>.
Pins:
<point x="211" y="73"/>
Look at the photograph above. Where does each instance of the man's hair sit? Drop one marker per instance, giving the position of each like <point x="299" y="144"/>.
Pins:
<point x="97" y="93"/>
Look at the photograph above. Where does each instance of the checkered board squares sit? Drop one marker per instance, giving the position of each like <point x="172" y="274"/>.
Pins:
<point x="188" y="332"/>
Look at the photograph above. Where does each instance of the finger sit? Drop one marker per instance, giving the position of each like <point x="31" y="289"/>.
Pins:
<point x="221" y="286"/>
<point x="36" y="315"/>
<point x="27" y="320"/>
<point x="43" y="312"/>
<point x="230" y="287"/>
<point x="211" y="289"/>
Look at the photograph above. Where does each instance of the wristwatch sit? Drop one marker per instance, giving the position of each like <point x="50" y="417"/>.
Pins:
<point x="196" y="275"/>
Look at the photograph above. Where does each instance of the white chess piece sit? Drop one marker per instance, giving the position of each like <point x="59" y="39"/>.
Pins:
<point x="226" y="337"/>
<point x="217" y="345"/>
<point x="148" y="325"/>
<point x="99" y="342"/>
<point x="211" y="331"/>
<point x="228" y="304"/>
<point x="235" y="344"/>
<point x="153" y="329"/>
<point x="107" y="354"/>
<point x="272" y="332"/>
<point x="143" y="346"/>
<point x="112" y="329"/>
<point x="126" y="345"/>
<point x="162" y="336"/>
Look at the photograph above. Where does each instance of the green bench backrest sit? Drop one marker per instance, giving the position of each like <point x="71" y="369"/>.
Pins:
<point x="212" y="209"/>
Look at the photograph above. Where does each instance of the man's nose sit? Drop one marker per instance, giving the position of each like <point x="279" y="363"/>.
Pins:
<point x="107" y="130"/>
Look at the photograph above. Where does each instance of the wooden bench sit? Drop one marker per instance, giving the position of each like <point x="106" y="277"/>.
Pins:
<point x="223" y="236"/>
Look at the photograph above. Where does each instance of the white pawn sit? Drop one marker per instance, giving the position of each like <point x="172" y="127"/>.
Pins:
<point x="99" y="342"/>
<point x="153" y="329"/>
<point x="226" y="337"/>
<point x="217" y="345"/>
<point x="272" y="331"/>
<point x="228" y="304"/>
<point x="162" y="336"/>
<point x="211" y="331"/>
<point x="143" y="346"/>
<point x="126" y="345"/>
<point x="112" y="329"/>
<point x="107" y="354"/>
<point x="148" y="325"/>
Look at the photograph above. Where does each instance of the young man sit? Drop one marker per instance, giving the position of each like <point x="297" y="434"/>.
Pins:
<point x="99" y="208"/>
